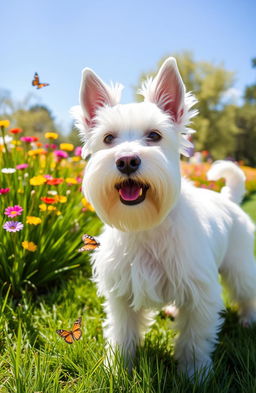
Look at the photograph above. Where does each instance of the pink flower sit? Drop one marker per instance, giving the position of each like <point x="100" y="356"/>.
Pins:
<point x="13" y="226"/>
<point x="50" y="146"/>
<point x="13" y="211"/>
<point x="49" y="177"/>
<point x="21" y="166"/>
<point x="78" y="151"/>
<point x="4" y="190"/>
<point x="28" y="139"/>
<point x="60" y="154"/>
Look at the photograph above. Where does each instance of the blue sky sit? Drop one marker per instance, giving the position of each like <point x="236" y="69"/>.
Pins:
<point x="119" y="40"/>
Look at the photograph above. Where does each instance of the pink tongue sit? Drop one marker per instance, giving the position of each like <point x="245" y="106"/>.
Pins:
<point x="130" y="192"/>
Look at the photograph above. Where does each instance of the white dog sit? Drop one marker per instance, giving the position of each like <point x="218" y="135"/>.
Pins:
<point x="165" y="241"/>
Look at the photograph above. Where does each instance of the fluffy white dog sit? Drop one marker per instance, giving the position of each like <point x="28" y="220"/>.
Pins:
<point x="164" y="241"/>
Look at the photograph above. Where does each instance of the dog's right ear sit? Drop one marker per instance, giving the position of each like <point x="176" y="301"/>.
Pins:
<point x="94" y="93"/>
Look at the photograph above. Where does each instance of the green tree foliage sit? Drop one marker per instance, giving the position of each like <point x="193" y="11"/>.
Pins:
<point x="223" y="129"/>
<point x="250" y="91"/>
<point x="35" y="121"/>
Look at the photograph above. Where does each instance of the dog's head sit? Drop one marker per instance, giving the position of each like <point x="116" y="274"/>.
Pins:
<point x="133" y="175"/>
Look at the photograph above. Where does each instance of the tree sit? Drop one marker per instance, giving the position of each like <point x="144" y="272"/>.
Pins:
<point x="33" y="119"/>
<point x="246" y="123"/>
<point x="215" y="123"/>
<point x="250" y="91"/>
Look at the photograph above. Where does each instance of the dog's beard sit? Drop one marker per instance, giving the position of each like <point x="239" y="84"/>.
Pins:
<point x="132" y="203"/>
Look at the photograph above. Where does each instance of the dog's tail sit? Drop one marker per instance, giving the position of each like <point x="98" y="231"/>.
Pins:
<point x="234" y="177"/>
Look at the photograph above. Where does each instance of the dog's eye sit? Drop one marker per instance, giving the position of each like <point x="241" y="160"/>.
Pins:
<point x="154" y="136"/>
<point x="108" y="139"/>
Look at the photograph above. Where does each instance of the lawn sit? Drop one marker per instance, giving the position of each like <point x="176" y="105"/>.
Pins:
<point x="45" y="285"/>
<point x="35" y="359"/>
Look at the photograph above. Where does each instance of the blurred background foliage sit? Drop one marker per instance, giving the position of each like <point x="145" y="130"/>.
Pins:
<point x="226" y="123"/>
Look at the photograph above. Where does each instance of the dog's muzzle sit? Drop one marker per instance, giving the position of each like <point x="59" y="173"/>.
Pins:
<point x="131" y="192"/>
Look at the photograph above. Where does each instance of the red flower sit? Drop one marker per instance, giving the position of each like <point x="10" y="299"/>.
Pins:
<point x="55" y="181"/>
<point x="48" y="200"/>
<point x="4" y="190"/>
<point x="15" y="130"/>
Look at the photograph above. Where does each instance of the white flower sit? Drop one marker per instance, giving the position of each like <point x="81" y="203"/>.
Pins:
<point x="7" y="139"/>
<point x="52" y="192"/>
<point x="8" y="170"/>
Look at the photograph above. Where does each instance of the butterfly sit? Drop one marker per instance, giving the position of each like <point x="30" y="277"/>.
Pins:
<point x="71" y="335"/>
<point x="36" y="82"/>
<point x="89" y="243"/>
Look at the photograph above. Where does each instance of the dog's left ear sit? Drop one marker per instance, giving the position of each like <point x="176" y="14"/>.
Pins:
<point x="167" y="90"/>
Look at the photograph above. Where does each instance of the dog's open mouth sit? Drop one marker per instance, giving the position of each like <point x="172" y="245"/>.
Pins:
<point x="131" y="192"/>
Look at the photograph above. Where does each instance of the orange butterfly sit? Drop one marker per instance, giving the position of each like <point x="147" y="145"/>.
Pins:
<point x="36" y="82"/>
<point x="89" y="243"/>
<point x="71" y="335"/>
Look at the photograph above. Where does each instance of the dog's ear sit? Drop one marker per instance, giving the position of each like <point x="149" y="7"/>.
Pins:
<point x="94" y="93"/>
<point x="167" y="90"/>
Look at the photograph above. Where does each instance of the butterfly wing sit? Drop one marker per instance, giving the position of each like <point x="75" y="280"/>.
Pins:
<point x="89" y="243"/>
<point x="40" y="85"/>
<point x="35" y="81"/>
<point x="76" y="330"/>
<point x="66" y="335"/>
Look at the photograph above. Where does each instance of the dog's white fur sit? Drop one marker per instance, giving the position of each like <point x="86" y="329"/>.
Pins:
<point x="170" y="247"/>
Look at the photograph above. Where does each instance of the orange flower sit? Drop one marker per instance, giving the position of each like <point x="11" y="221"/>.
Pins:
<point x="48" y="200"/>
<point x="55" y="181"/>
<point x="15" y="130"/>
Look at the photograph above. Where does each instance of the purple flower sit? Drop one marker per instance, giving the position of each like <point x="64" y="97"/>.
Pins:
<point x="13" y="211"/>
<point x="60" y="154"/>
<point x="21" y="166"/>
<point x="13" y="226"/>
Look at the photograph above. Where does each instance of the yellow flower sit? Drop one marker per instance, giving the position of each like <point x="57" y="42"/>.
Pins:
<point x="71" y="180"/>
<point x="37" y="180"/>
<point x="61" y="198"/>
<point x="51" y="135"/>
<point x="51" y="208"/>
<point x="30" y="246"/>
<point x="67" y="146"/>
<point x="76" y="158"/>
<point x="4" y="123"/>
<point x="36" y="152"/>
<point x="87" y="205"/>
<point x="20" y="191"/>
<point x="15" y="143"/>
<point x="33" y="220"/>
<point x="43" y="207"/>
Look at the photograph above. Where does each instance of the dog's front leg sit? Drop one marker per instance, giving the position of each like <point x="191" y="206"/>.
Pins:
<point x="124" y="328"/>
<point x="198" y="325"/>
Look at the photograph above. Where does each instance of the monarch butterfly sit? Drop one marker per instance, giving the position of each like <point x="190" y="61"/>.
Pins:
<point x="36" y="82"/>
<point x="89" y="243"/>
<point x="71" y="335"/>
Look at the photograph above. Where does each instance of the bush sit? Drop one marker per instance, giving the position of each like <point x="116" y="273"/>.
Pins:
<point x="43" y="213"/>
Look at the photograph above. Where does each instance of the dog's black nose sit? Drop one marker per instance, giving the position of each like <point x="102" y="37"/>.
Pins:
<point x="128" y="164"/>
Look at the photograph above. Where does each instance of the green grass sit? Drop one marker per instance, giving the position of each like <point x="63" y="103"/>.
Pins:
<point x="33" y="358"/>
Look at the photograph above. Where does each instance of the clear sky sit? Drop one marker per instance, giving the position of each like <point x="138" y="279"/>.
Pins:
<point x="118" y="40"/>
